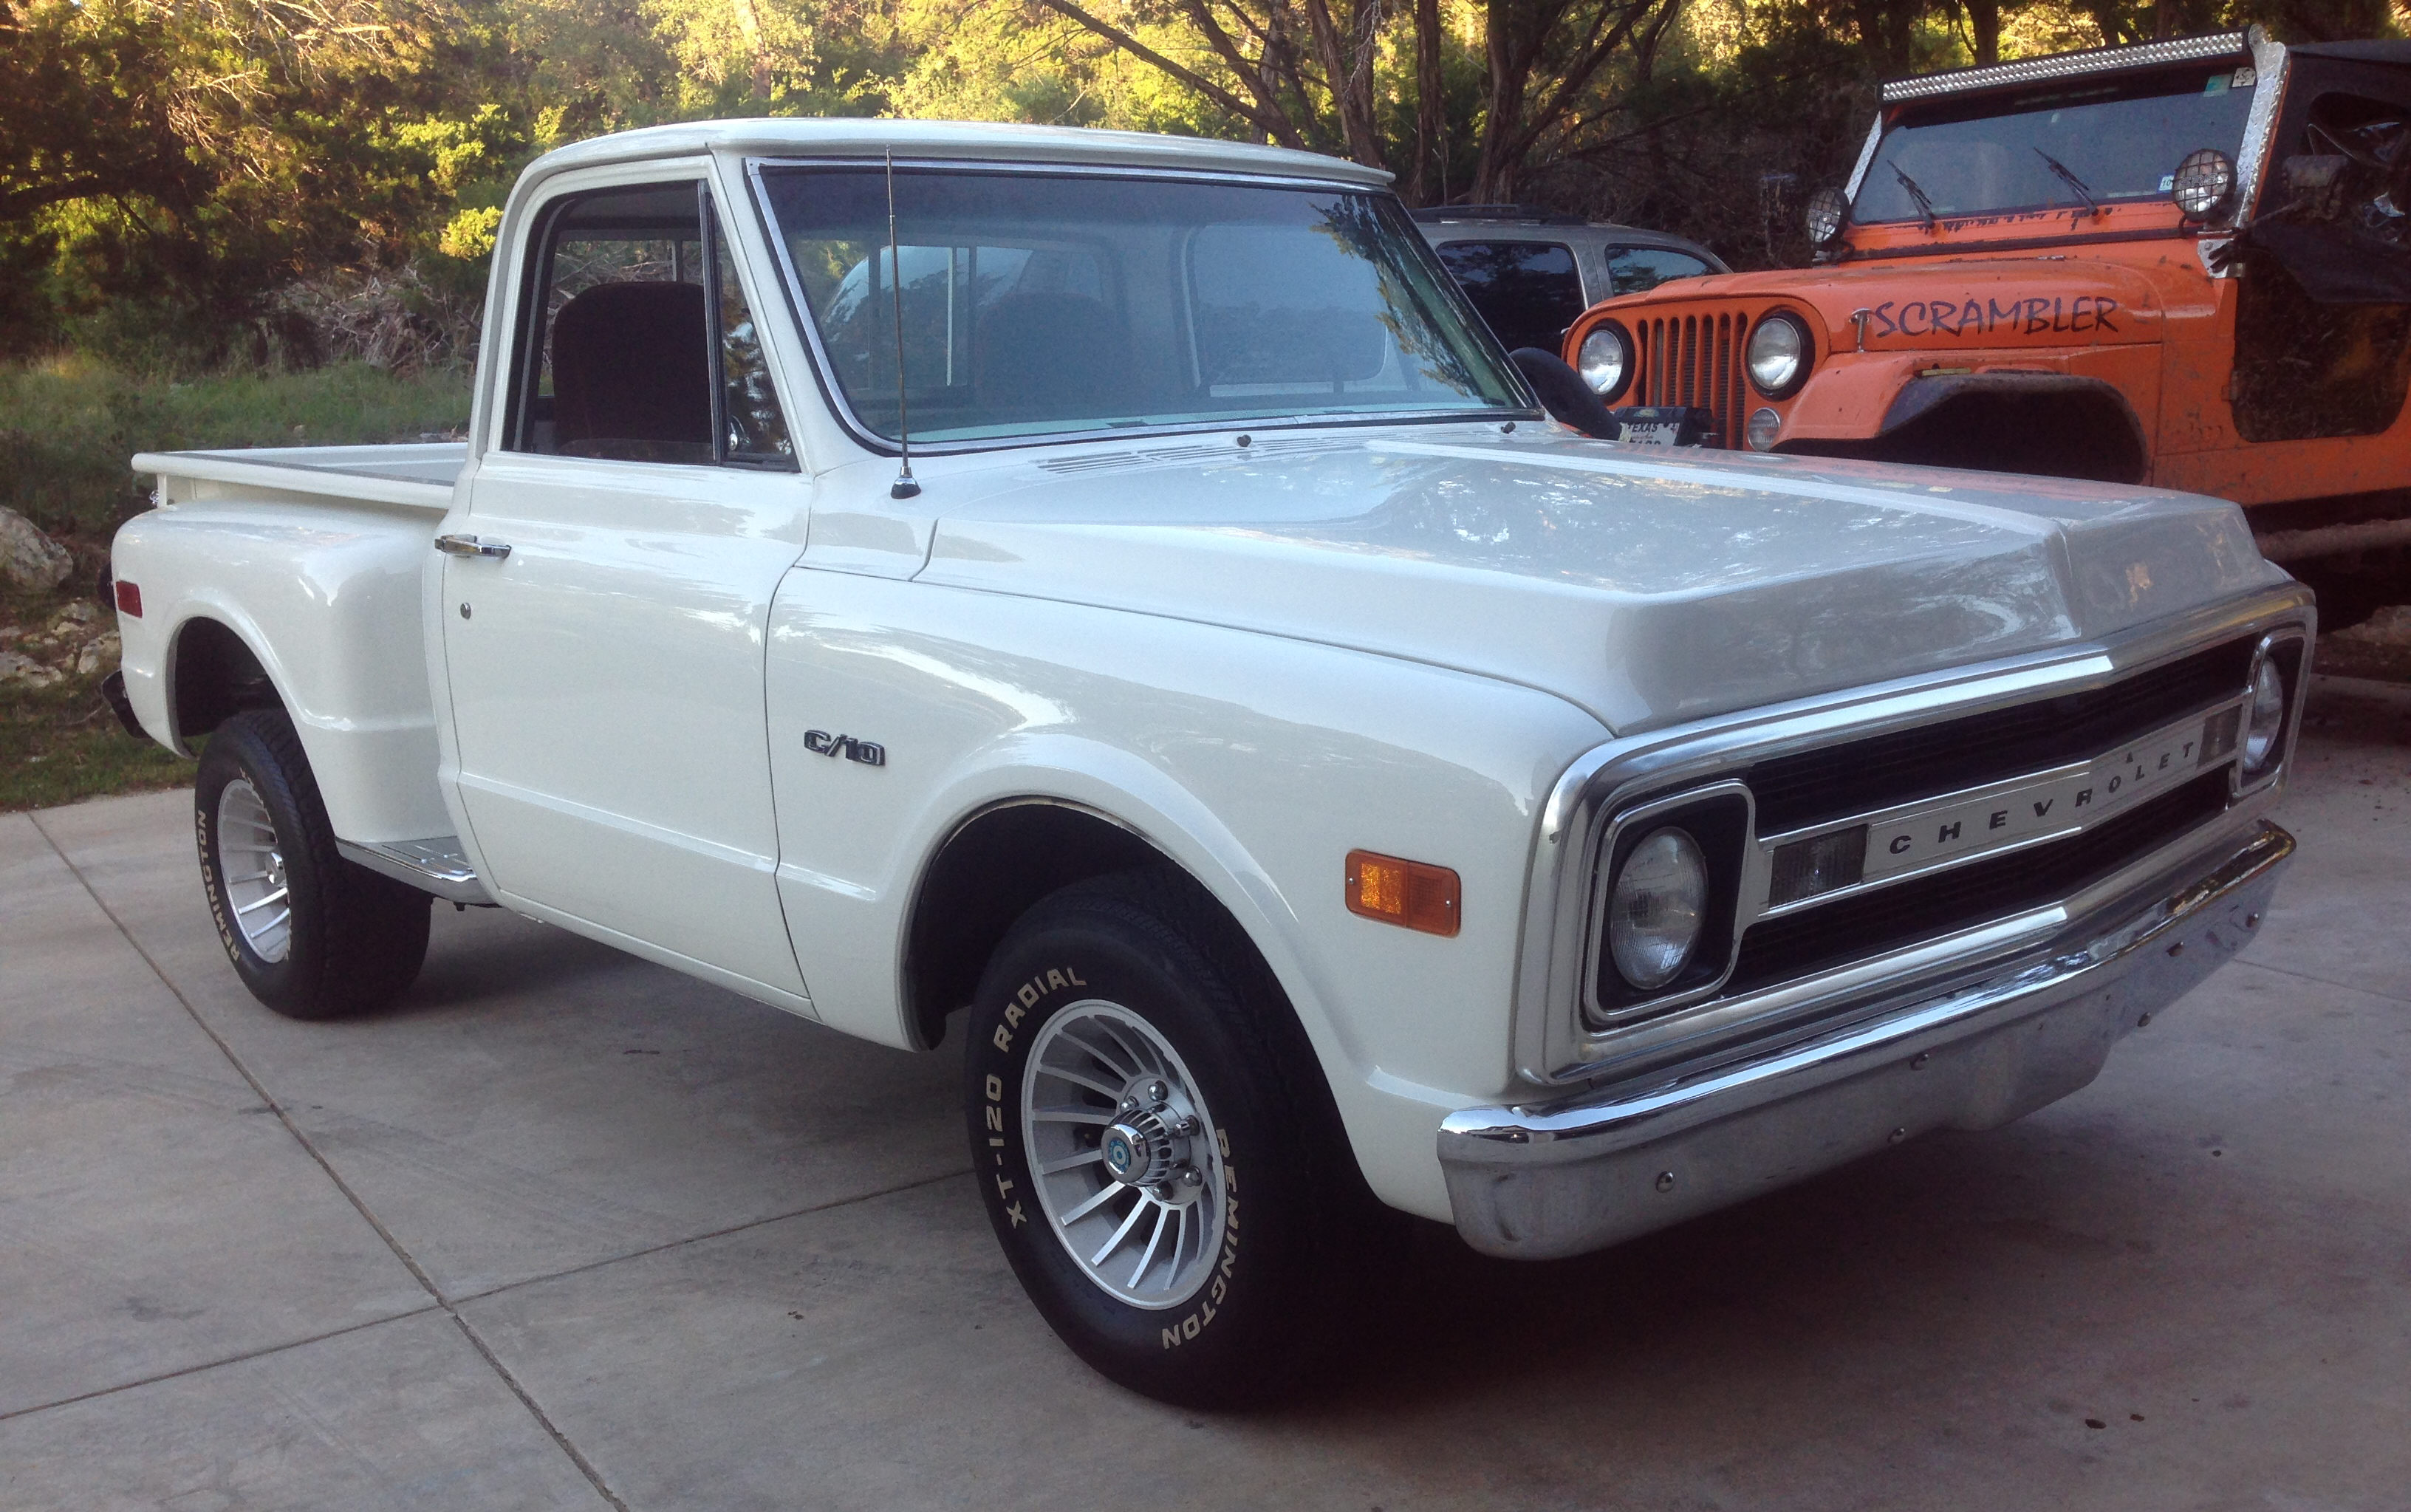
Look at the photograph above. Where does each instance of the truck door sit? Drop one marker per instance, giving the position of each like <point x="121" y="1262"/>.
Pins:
<point x="606" y="595"/>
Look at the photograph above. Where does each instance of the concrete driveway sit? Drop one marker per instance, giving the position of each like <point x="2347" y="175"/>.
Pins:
<point x="566" y="1229"/>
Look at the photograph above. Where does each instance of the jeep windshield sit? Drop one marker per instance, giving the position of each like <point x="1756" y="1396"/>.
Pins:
<point x="2118" y="139"/>
<point x="1048" y="304"/>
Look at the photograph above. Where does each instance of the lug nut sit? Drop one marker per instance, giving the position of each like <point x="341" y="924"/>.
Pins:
<point x="1188" y="1176"/>
<point x="1918" y="1062"/>
<point x="1157" y="1092"/>
<point x="1187" y="1125"/>
<point x="2143" y="1020"/>
<point x="1665" y="1181"/>
<point x="1897" y="1135"/>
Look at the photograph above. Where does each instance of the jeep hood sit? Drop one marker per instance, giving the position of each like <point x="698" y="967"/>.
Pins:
<point x="1646" y="586"/>
<point x="1990" y="301"/>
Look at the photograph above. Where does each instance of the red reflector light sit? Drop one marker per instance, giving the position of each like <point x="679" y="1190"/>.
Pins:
<point x="1409" y="894"/>
<point x="129" y="601"/>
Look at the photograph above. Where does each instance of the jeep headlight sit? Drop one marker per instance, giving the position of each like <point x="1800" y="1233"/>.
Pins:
<point x="1606" y="361"/>
<point x="1779" y="354"/>
<point x="1657" y="909"/>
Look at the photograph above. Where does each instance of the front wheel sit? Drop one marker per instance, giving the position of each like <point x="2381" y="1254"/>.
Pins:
<point x="313" y="935"/>
<point x="1157" y="1150"/>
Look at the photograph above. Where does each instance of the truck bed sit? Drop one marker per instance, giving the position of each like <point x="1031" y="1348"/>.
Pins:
<point x="417" y="475"/>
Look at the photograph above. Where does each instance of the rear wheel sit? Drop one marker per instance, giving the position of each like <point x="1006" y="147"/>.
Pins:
<point x="313" y="935"/>
<point x="1157" y="1149"/>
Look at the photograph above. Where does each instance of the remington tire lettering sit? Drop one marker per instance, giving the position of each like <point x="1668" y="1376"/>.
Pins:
<point x="1157" y="1149"/>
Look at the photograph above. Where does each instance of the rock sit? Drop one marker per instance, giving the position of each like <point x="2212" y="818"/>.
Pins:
<point x="2387" y="626"/>
<point x="28" y="557"/>
<point x="81" y="612"/>
<point x="99" y="654"/>
<point x="24" y="672"/>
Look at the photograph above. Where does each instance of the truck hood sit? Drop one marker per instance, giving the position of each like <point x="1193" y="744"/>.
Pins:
<point x="1646" y="586"/>
<point x="1989" y="301"/>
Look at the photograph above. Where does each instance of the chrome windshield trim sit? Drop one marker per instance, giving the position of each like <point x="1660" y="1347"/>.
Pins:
<point x="833" y="393"/>
<point x="1867" y="157"/>
<point x="1553" y="1044"/>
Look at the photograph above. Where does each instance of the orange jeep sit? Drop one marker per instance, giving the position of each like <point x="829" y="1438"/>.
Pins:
<point x="2186" y="263"/>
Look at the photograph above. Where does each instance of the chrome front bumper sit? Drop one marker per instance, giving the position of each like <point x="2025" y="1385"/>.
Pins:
<point x="1546" y="1180"/>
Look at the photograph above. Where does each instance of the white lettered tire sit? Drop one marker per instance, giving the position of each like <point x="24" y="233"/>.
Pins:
<point x="1158" y="1150"/>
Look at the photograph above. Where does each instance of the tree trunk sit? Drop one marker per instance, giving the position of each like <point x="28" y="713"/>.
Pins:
<point x="1984" y="21"/>
<point x="748" y="26"/>
<point x="1431" y="124"/>
<point x="1348" y="63"/>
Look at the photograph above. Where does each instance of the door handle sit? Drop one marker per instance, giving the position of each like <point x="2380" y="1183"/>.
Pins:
<point x="469" y="546"/>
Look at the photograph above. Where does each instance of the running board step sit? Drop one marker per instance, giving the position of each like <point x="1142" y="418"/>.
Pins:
<point x="436" y="864"/>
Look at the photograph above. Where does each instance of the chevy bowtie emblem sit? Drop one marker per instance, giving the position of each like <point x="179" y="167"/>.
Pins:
<point x="822" y="743"/>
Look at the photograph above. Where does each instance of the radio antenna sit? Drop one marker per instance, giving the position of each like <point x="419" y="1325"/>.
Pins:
<point x="905" y="486"/>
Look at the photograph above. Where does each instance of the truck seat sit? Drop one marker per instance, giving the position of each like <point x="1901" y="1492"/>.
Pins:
<point x="631" y="376"/>
<point x="1052" y="355"/>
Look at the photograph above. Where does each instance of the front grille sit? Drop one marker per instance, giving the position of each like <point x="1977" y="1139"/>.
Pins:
<point x="1695" y="359"/>
<point x="1836" y="781"/>
<point x="1851" y="929"/>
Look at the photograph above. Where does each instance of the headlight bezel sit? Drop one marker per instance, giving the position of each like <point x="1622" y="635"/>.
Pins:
<point x="1807" y="360"/>
<point x="2285" y="651"/>
<point x="1624" y="380"/>
<point x="1720" y="818"/>
<point x="2205" y="176"/>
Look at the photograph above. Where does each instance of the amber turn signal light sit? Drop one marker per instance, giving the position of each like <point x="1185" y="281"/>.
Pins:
<point x="129" y="601"/>
<point x="1406" y="893"/>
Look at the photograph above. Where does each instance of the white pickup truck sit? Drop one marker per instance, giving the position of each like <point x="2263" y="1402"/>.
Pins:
<point x="1325" y="786"/>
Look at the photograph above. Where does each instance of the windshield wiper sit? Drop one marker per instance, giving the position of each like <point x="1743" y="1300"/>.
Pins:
<point x="2091" y="204"/>
<point x="1924" y="206"/>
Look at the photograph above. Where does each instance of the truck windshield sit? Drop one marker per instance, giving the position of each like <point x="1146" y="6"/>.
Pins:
<point x="1037" y="304"/>
<point x="2120" y="139"/>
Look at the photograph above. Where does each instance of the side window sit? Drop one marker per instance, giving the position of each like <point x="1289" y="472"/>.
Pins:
<point x="1637" y="269"/>
<point x="753" y="431"/>
<point x="1527" y="291"/>
<point x="640" y="347"/>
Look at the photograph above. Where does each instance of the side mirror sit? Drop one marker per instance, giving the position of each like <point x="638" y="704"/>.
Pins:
<point x="1563" y="393"/>
<point x="1829" y="215"/>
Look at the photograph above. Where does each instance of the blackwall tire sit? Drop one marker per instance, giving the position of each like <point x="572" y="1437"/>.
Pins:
<point x="311" y="935"/>
<point x="1131" y="1009"/>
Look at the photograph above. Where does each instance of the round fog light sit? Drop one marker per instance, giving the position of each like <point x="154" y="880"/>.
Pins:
<point x="2266" y="725"/>
<point x="1657" y="909"/>
<point x="2203" y="182"/>
<point x="1763" y="428"/>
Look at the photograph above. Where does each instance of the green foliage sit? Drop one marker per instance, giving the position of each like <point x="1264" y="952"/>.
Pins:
<point x="173" y="171"/>
<point x="68" y="425"/>
<point x="62" y="744"/>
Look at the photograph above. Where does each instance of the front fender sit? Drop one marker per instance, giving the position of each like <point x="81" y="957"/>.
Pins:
<point x="1252" y="762"/>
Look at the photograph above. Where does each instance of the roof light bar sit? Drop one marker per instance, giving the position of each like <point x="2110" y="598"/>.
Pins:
<point x="2237" y="45"/>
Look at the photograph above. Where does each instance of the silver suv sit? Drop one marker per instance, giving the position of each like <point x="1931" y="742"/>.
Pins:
<point x="1531" y="273"/>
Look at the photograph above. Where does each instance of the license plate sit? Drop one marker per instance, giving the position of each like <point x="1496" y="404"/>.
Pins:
<point x="1654" y="433"/>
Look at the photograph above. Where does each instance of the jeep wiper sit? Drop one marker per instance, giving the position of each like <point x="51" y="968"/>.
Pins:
<point x="1924" y="206"/>
<point x="2070" y="180"/>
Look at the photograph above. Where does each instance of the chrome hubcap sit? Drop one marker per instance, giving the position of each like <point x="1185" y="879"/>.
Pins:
<point x="251" y="868"/>
<point x="1129" y="1171"/>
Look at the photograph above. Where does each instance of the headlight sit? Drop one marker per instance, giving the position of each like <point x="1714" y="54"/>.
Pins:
<point x="1778" y="354"/>
<point x="2203" y="182"/>
<point x="1657" y="909"/>
<point x="1828" y="213"/>
<point x="1606" y="362"/>
<point x="2264" y="728"/>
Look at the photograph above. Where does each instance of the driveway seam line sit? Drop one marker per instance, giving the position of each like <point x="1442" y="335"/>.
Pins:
<point x="261" y="1353"/>
<point x="2324" y="981"/>
<point x="434" y="1293"/>
<point x="466" y="1298"/>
